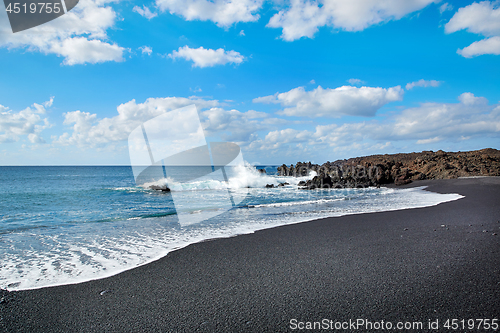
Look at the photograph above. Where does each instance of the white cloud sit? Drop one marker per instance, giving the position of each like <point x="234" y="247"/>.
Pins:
<point x="222" y="12"/>
<point x="297" y="18"/>
<point x="484" y="46"/>
<point x="235" y="126"/>
<point x="28" y="122"/>
<point x="480" y="18"/>
<point x="255" y="131"/>
<point x="345" y="100"/>
<point x="49" y="103"/>
<point x="242" y="33"/>
<point x="276" y="139"/>
<point x="79" y="36"/>
<point x="302" y="18"/>
<point x="472" y="116"/>
<point x="80" y="50"/>
<point x="89" y="131"/>
<point x="202" y="57"/>
<point x="146" y="50"/>
<point x="429" y="123"/>
<point x="355" y="82"/>
<point x="145" y="12"/>
<point x="468" y="98"/>
<point x="431" y="140"/>
<point x="312" y="82"/>
<point x="423" y="83"/>
<point x="266" y="99"/>
<point x="445" y="7"/>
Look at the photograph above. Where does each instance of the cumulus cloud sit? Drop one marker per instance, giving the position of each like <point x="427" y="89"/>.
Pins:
<point x="297" y="18"/>
<point x="277" y="139"/>
<point x="345" y="100"/>
<point x="484" y="46"/>
<point x="302" y="18"/>
<point x="79" y="36"/>
<point x="480" y="18"/>
<point x="144" y="12"/>
<point x="222" y="12"/>
<point x="422" y="83"/>
<point x="468" y="98"/>
<point x="355" y="82"/>
<point x="431" y="140"/>
<point x="89" y="131"/>
<point x="80" y="50"/>
<point x="425" y="124"/>
<point x="202" y="57"/>
<point x="28" y="122"/>
<point x="235" y="126"/>
<point x="146" y="50"/>
<point x="472" y="116"/>
<point x="445" y="7"/>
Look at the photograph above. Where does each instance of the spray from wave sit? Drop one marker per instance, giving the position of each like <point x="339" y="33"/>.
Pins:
<point x="240" y="176"/>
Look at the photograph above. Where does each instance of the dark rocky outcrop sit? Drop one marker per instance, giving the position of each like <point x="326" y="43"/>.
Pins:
<point x="399" y="169"/>
<point x="159" y="188"/>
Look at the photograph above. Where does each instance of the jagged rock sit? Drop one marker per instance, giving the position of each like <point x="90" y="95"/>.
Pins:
<point x="262" y="170"/>
<point x="320" y="182"/>
<point x="270" y="186"/>
<point x="400" y="169"/>
<point x="283" y="184"/>
<point x="159" y="188"/>
<point x="402" y="181"/>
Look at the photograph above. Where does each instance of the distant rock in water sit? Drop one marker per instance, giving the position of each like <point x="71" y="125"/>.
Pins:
<point x="399" y="169"/>
<point x="159" y="188"/>
<point x="270" y="186"/>
<point x="262" y="170"/>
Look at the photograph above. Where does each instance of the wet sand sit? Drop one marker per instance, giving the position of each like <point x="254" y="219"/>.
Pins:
<point x="439" y="262"/>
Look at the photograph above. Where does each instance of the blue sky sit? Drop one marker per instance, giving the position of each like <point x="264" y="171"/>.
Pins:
<point x="285" y="80"/>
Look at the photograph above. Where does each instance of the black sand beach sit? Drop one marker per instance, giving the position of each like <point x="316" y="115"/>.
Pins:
<point x="440" y="262"/>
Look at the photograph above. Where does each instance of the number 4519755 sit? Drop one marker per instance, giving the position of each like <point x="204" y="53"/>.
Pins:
<point x="32" y="8"/>
<point x="471" y="324"/>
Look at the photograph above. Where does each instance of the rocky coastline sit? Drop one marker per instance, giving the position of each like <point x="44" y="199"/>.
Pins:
<point x="398" y="169"/>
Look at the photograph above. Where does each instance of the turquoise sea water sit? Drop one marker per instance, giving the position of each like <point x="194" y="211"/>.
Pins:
<point x="62" y="225"/>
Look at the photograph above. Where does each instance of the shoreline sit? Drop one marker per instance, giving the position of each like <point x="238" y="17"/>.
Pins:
<point x="185" y="243"/>
<point x="338" y="267"/>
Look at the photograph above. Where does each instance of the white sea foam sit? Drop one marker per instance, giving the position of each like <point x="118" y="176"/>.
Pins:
<point x="248" y="176"/>
<point x="240" y="176"/>
<point x="296" y="203"/>
<point x="91" y="251"/>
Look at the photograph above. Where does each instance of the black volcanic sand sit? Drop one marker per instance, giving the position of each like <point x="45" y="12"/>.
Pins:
<point x="391" y="266"/>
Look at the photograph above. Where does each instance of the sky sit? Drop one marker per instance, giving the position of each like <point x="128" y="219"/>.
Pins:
<point x="286" y="80"/>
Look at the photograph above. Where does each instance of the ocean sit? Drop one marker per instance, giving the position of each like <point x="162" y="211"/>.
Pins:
<point x="62" y="225"/>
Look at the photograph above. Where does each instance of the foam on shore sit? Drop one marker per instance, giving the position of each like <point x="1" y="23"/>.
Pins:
<point x="96" y="250"/>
